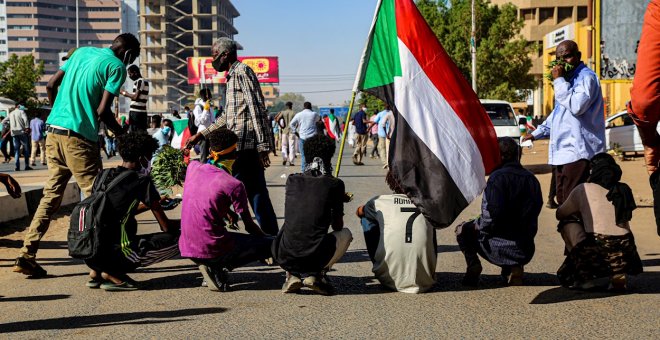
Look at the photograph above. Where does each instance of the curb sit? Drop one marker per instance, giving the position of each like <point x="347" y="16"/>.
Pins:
<point x="26" y="205"/>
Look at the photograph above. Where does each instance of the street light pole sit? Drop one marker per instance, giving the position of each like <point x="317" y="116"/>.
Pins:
<point x="77" y="27"/>
<point x="473" y="50"/>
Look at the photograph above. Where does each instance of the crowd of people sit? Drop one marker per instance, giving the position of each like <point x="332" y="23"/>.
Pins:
<point x="228" y="180"/>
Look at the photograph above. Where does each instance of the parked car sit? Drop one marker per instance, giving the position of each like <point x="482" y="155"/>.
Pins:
<point x="503" y="118"/>
<point x="621" y="132"/>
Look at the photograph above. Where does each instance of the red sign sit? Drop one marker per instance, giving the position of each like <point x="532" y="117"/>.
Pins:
<point x="201" y="71"/>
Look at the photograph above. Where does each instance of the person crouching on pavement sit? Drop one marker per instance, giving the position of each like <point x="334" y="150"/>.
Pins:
<point x="126" y="250"/>
<point x="314" y="202"/>
<point x="401" y="246"/>
<point x="595" y="225"/>
<point x="504" y="233"/>
<point x="208" y="194"/>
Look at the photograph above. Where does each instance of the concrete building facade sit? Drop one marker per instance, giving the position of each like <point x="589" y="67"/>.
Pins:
<point x="542" y="17"/>
<point x="47" y="29"/>
<point x="170" y="32"/>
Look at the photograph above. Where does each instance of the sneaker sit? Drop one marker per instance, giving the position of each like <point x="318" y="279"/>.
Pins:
<point x="28" y="168"/>
<point x="514" y="276"/>
<point x="209" y="278"/>
<point x="17" y="169"/>
<point x="44" y="163"/>
<point x="292" y="284"/>
<point x="33" y="164"/>
<point x="552" y="204"/>
<point x="29" y="267"/>
<point x="472" y="273"/>
<point x="110" y="286"/>
<point x="291" y="164"/>
<point x="321" y="286"/>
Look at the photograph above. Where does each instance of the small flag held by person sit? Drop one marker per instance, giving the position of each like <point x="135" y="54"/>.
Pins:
<point x="444" y="143"/>
<point x="181" y="133"/>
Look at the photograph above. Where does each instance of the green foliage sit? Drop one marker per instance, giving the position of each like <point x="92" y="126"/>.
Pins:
<point x="503" y="61"/>
<point x="18" y="76"/>
<point x="568" y="67"/>
<point x="168" y="168"/>
<point x="374" y="105"/>
<point x="296" y="98"/>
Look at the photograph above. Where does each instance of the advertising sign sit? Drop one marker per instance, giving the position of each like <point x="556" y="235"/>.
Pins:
<point x="200" y="70"/>
<point x="340" y="111"/>
<point x="621" y="26"/>
<point x="555" y="37"/>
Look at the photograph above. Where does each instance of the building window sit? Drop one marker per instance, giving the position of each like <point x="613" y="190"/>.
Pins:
<point x="564" y="13"/>
<point x="528" y="14"/>
<point x="99" y="9"/>
<point x="3" y="42"/>
<point x="546" y="13"/>
<point x="19" y="16"/>
<point x="19" y="27"/>
<point x="582" y="13"/>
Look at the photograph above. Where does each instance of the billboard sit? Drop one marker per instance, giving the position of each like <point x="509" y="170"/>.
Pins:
<point x="200" y="70"/>
<point x="340" y="111"/>
<point x="621" y="26"/>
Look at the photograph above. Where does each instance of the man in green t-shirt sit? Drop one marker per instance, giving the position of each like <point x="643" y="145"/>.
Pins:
<point x="81" y="94"/>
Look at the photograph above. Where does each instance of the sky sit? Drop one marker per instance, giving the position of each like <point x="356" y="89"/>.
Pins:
<point x="319" y="42"/>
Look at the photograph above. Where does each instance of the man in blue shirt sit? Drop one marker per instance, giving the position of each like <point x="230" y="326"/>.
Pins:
<point x="504" y="233"/>
<point x="384" y="133"/>
<point x="304" y="125"/>
<point x="38" y="139"/>
<point x="361" y="124"/>
<point x="576" y="126"/>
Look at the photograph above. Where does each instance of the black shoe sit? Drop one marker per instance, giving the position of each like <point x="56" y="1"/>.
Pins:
<point x="283" y="162"/>
<point x="17" y="169"/>
<point x="28" y="168"/>
<point x="472" y="274"/>
<point x="29" y="267"/>
<point x="552" y="204"/>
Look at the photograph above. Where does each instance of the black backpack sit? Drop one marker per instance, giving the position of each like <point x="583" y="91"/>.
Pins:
<point x="91" y="217"/>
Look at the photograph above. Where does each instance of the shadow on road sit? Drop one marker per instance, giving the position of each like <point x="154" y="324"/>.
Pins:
<point x="46" y="262"/>
<point x="135" y="318"/>
<point x="7" y="243"/>
<point x="645" y="283"/>
<point x="451" y="282"/>
<point x="539" y="169"/>
<point x="35" y="298"/>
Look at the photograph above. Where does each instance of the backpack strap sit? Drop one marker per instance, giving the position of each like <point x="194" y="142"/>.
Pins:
<point x="118" y="179"/>
<point x="100" y="179"/>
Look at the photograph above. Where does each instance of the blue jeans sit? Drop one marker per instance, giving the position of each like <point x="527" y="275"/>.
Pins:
<point x="110" y="145"/>
<point x="24" y="140"/>
<point x="250" y="172"/>
<point x="302" y="155"/>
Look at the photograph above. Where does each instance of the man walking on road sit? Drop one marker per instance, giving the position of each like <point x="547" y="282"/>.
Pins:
<point x="137" y="114"/>
<point x="82" y="92"/>
<point x="20" y="129"/>
<point x="288" y="137"/>
<point x="304" y="125"/>
<point x="576" y="126"/>
<point x="361" y="124"/>
<point x="246" y="115"/>
<point x="38" y="139"/>
<point x="385" y="121"/>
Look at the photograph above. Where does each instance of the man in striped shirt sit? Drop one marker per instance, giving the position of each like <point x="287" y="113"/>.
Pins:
<point x="137" y="115"/>
<point x="246" y="115"/>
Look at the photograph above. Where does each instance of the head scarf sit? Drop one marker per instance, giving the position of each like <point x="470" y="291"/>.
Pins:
<point x="317" y="167"/>
<point x="606" y="173"/>
<point x="216" y="158"/>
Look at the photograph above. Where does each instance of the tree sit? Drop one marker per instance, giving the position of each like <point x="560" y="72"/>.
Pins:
<point x="18" y="76"/>
<point x="373" y="104"/>
<point x="296" y="98"/>
<point x="503" y="61"/>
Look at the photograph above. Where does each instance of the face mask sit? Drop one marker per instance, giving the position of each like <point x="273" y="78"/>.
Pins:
<point x="166" y="130"/>
<point x="21" y="107"/>
<point x="217" y="63"/>
<point x="127" y="58"/>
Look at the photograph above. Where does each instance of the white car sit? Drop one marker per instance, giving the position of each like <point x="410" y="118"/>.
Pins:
<point x="621" y="132"/>
<point x="503" y="118"/>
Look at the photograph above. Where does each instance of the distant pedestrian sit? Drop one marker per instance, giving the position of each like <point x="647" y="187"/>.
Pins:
<point x="6" y="140"/>
<point x="303" y="125"/>
<point x="314" y="203"/>
<point x="137" y="114"/>
<point x="82" y="92"/>
<point x="20" y="133"/>
<point x="283" y="119"/>
<point x="203" y="119"/>
<point x="332" y="125"/>
<point x="504" y="233"/>
<point x="246" y="115"/>
<point x="373" y="135"/>
<point x="276" y="136"/>
<point x="38" y="134"/>
<point x="361" y="124"/>
<point x="576" y="126"/>
<point x="385" y="122"/>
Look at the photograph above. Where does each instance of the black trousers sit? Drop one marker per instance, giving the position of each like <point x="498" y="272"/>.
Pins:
<point x="655" y="185"/>
<point x="247" y="248"/>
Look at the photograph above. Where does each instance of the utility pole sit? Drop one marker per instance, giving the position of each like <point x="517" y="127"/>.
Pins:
<point x="473" y="50"/>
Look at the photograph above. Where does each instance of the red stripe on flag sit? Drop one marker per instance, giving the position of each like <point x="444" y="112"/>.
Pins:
<point x="415" y="33"/>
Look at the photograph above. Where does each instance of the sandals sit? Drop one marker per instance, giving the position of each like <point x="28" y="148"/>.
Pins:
<point x="94" y="283"/>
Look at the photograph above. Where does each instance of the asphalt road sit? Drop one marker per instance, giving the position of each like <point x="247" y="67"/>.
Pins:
<point x="173" y="305"/>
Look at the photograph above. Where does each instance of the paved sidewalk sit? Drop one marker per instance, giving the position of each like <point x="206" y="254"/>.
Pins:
<point x="174" y="306"/>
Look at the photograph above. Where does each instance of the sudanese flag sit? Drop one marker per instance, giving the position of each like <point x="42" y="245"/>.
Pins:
<point x="444" y="144"/>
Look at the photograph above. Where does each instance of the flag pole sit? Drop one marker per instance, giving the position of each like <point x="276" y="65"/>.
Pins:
<point x="343" y="137"/>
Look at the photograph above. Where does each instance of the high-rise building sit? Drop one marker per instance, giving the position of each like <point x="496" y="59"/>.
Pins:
<point x="170" y="32"/>
<point x="47" y="29"/>
<point x="542" y="17"/>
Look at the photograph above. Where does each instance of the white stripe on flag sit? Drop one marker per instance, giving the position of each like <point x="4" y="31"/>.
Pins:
<point x="434" y="121"/>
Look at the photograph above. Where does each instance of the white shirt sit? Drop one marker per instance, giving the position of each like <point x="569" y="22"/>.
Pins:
<point x="18" y="122"/>
<point x="202" y="117"/>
